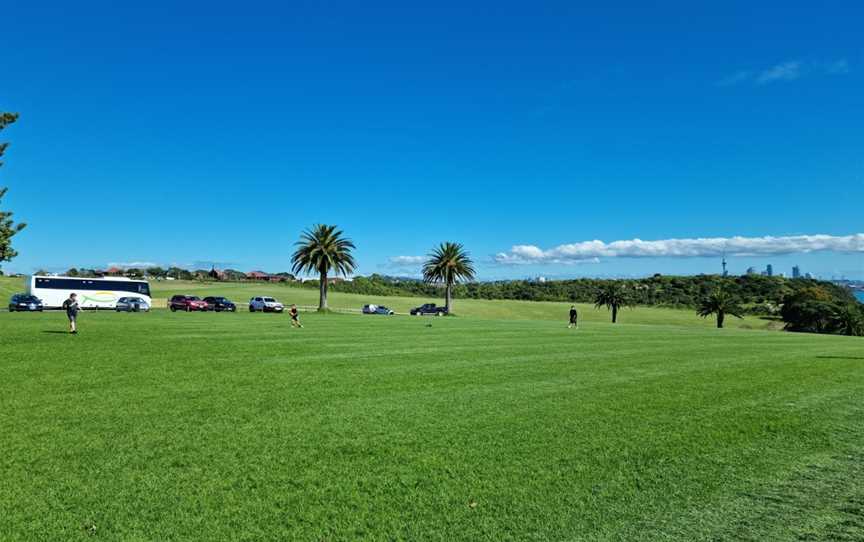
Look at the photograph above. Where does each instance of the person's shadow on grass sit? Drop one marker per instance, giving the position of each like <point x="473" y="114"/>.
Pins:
<point x="55" y="331"/>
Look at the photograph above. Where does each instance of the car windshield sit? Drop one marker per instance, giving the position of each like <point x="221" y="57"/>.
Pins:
<point x="269" y="300"/>
<point x="28" y="299"/>
<point x="193" y="298"/>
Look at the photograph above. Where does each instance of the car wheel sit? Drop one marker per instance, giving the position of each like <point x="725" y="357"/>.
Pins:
<point x="173" y="308"/>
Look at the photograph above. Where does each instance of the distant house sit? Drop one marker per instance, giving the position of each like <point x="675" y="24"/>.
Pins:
<point x="216" y="274"/>
<point x="114" y="271"/>
<point x="258" y="275"/>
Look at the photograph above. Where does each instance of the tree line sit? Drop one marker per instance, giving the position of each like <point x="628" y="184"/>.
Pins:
<point x="802" y="304"/>
<point x="757" y="294"/>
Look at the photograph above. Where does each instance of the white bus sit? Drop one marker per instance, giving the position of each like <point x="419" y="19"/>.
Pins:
<point x="93" y="293"/>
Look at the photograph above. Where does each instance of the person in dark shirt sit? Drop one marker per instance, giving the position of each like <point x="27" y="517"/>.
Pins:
<point x="72" y="308"/>
<point x="574" y="317"/>
<point x="295" y="316"/>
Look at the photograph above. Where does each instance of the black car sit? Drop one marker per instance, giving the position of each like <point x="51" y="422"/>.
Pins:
<point x="220" y="304"/>
<point x="429" y="308"/>
<point x="25" y="302"/>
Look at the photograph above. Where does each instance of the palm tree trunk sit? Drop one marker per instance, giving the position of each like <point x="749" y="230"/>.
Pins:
<point x="614" y="313"/>
<point x="322" y="302"/>
<point x="720" y="317"/>
<point x="448" y="299"/>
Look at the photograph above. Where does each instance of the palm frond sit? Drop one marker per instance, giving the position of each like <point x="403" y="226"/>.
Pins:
<point x="448" y="263"/>
<point x="321" y="249"/>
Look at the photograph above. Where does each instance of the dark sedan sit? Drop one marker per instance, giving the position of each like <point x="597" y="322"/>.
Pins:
<point x="25" y="303"/>
<point x="220" y="304"/>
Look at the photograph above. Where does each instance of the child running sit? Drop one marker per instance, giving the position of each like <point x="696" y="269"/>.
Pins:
<point x="295" y="316"/>
<point x="71" y="306"/>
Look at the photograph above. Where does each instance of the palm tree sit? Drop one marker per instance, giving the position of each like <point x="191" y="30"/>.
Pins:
<point x="322" y="249"/>
<point x="448" y="264"/>
<point x="612" y="296"/>
<point x="848" y="320"/>
<point x="721" y="304"/>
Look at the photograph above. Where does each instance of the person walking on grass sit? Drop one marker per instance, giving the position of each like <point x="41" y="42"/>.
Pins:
<point x="574" y="318"/>
<point x="72" y="308"/>
<point x="295" y="316"/>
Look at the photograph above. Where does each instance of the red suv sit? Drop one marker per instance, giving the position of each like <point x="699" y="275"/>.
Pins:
<point x="187" y="303"/>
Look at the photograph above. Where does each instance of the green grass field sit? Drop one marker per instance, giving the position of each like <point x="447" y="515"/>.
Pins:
<point x="175" y="426"/>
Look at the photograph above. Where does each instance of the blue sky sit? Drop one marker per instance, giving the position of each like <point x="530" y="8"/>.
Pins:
<point x="217" y="132"/>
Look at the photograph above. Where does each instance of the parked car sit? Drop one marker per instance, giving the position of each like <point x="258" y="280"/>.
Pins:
<point x="187" y="303"/>
<point x="428" y="308"/>
<point x="131" y="304"/>
<point x="220" y="304"/>
<point x="25" y="302"/>
<point x="265" y="304"/>
<point x="377" y="309"/>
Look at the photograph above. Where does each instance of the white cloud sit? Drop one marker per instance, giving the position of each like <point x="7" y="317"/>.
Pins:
<point x="397" y="261"/>
<point x="591" y="251"/>
<point x="129" y="265"/>
<point x="785" y="71"/>
<point x="789" y="70"/>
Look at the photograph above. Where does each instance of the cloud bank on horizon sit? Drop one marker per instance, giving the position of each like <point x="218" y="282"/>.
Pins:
<point x="592" y="251"/>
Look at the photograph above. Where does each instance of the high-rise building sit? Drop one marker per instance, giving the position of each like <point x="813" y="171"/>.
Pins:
<point x="796" y="272"/>
<point x="751" y="270"/>
<point x="769" y="270"/>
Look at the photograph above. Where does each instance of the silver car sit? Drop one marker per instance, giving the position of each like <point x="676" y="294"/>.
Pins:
<point x="265" y="304"/>
<point x="377" y="309"/>
<point x="131" y="304"/>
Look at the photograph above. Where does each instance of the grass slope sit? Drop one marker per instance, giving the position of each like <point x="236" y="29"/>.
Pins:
<point x="472" y="308"/>
<point x="168" y="426"/>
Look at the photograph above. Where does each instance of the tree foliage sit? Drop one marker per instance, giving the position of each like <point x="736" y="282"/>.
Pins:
<point x="8" y="228"/>
<point x="814" y="310"/>
<point x="322" y="249"/>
